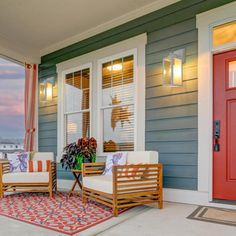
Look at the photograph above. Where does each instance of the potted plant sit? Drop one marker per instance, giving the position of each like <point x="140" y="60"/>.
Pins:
<point x="84" y="151"/>
<point x="87" y="151"/>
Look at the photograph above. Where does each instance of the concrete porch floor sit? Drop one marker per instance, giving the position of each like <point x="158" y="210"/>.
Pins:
<point x="140" y="221"/>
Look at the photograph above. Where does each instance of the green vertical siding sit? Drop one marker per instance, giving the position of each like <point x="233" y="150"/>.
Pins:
<point x="171" y="113"/>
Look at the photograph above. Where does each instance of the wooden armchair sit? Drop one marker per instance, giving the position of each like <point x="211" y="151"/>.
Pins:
<point x="28" y="181"/>
<point x="128" y="186"/>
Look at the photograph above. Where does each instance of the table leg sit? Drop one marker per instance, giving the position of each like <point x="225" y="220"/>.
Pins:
<point x="72" y="189"/>
<point x="77" y="181"/>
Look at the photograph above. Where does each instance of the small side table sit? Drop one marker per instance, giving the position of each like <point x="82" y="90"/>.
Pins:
<point x="77" y="174"/>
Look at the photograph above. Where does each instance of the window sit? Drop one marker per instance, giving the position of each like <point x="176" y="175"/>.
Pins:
<point x="118" y="102"/>
<point x="232" y="74"/>
<point x="77" y="105"/>
<point x="102" y="94"/>
<point x="224" y="34"/>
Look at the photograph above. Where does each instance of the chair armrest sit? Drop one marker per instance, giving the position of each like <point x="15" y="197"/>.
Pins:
<point x="4" y="167"/>
<point x="93" y="169"/>
<point x="137" y="177"/>
<point x="53" y="166"/>
<point x="53" y="175"/>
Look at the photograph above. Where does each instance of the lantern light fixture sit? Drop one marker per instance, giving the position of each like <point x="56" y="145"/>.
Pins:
<point x="46" y="91"/>
<point x="172" y="68"/>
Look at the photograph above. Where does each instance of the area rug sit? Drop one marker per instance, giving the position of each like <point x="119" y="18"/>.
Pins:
<point x="214" y="215"/>
<point x="62" y="213"/>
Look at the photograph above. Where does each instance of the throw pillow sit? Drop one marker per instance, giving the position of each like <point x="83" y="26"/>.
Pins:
<point x="18" y="161"/>
<point x="38" y="166"/>
<point x="118" y="158"/>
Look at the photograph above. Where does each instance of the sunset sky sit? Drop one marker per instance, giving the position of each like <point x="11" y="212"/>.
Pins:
<point x="11" y="100"/>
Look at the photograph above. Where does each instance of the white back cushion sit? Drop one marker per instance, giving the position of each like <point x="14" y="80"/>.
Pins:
<point x="43" y="156"/>
<point x="145" y="157"/>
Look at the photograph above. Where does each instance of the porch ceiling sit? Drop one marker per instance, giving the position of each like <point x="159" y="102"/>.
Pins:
<point x="39" y="27"/>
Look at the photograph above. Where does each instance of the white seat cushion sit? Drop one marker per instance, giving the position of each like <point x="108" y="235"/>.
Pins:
<point x="104" y="184"/>
<point x="101" y="183"/>
<point x="144" y="157"/>
<point x="26" y="177"/>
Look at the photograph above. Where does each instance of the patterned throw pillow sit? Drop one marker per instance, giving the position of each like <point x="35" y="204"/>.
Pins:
<point x="38" y="166"/>
<point x="18" y="161"/>
<point x="118" y="158"/>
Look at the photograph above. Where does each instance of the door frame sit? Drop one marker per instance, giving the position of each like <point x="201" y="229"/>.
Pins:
<point x="205" y="23"/>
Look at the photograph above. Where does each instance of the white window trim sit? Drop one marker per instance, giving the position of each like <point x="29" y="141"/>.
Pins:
<point x="205" y="23"/>
<point x="137" y="43"/>
<point x="99" y="89"/>
<point x="61" y="103"/>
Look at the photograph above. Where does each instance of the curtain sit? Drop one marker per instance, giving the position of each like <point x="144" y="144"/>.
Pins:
<point x="30" y="105"/>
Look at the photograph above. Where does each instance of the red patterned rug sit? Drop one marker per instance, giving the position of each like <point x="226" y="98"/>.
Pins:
<point x="62" y="213"/>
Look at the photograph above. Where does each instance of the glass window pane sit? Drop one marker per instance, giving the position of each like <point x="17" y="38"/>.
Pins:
<point x="77" y="126"/>
<point x="118" y="129"/>
<point x="85" y="99"/>
<point x="117" y="73"/>
<point x="128" y="69"/>
<point x="77" y="79"/>
<point x="232" y="74"/>
<point x="106" y="75"/>
<point x="77" y="91"/>
<point x="224" y="34"/>
<point x="69" y="79"/>
<point x="85" y="78"/>
<point x="118" y="82"/>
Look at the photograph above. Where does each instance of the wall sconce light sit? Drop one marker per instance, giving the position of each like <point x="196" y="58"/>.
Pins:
<point x="46" y="91"/>
<point x="172" y="68"/>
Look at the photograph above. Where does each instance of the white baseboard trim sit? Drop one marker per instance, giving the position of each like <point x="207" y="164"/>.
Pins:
<point x="185" y="196"/>
<point x="192" y="197"/>
<point x="170" y="195"/>
<point x="64" y="184"/>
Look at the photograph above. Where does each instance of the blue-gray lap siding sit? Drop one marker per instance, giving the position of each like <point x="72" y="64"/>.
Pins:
<point x="171" y="113"/>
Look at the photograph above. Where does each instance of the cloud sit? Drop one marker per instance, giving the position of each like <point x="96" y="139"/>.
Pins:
<point x="11" y="99"/>
<point x="10" y="70"/>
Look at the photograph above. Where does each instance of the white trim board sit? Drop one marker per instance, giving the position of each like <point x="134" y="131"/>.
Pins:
<point x="108" y="25"/>
<point x="138" y="44"/>
<point x="205" y="22"/>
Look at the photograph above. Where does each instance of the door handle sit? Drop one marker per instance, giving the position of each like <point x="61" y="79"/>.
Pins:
<point x="216" y="135"/>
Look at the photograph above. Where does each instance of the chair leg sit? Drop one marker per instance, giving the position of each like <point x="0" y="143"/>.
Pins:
<point x="160" y="200"/>
<point x="84" y="199"/>
<point x="50" y="190"/>
<point x="160" y="204"/>
<point x="1" y="191"/>
<point x="115" y="211"/>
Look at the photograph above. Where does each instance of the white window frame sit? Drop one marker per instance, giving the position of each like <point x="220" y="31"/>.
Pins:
<point x="93" y="58"/>
<point x="132" y="52"/>
<point x="62" y="107"/>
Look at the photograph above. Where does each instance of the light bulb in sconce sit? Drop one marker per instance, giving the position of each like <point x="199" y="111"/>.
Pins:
<point x="46" y="91"/>
<point x="49" y="91"/>
<point x="115" y="67"/>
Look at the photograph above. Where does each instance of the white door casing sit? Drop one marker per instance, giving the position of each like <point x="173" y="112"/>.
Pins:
<point x="205" y="23"/>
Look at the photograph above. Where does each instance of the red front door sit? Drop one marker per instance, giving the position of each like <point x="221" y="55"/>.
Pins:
<point x="224" y="125"/>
